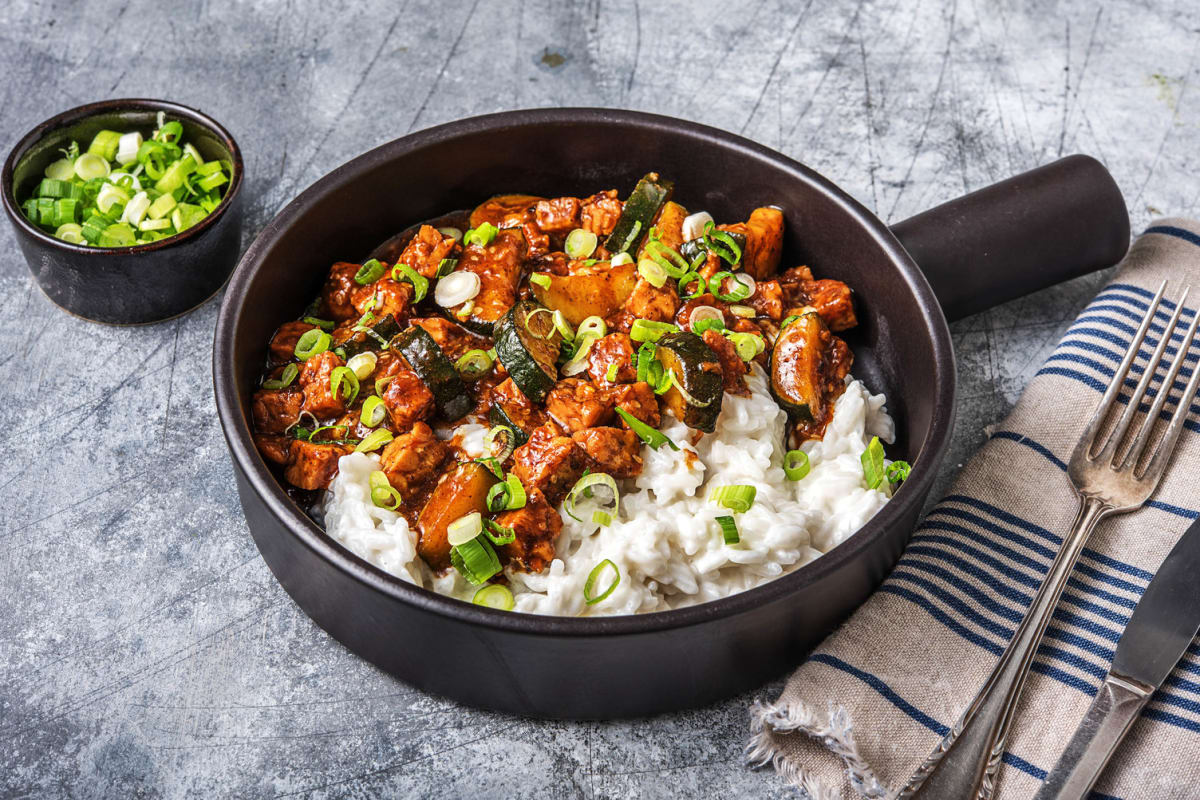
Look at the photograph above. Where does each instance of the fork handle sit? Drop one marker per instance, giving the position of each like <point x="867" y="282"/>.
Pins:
<point x="1108" y="719"/>
<point x="964" y="763"/>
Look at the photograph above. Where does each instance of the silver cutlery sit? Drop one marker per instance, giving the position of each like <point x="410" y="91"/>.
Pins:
<point x="1162" y="626"/>
<point x="1110" y="478"/>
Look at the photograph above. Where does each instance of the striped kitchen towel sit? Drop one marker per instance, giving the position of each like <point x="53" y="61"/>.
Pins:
<point x="871" y="702"/>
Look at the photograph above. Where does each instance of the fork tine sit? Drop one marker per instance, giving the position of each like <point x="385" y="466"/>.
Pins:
<point x="1118" y="379"/>
<point x="1134" y="453"/>
<point x="1162" y="454"/>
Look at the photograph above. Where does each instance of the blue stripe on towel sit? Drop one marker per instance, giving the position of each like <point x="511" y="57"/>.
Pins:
<point x="1178" y="233"/>
<point x="926" y="721"/>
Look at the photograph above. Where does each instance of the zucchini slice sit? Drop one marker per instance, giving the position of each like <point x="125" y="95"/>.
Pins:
<point x="463" y="489"/>
<point x="795" y="367"/>
<point x="693" y="248"/>
<point x="696" y="393"/>
<point x="380" y="335"/>
<point x="431" y="365"/>
<point x="527" y="344"/>
<point x="643" y="205"/>
<point x="498" y="416"/>
<point x="597" y="294"/>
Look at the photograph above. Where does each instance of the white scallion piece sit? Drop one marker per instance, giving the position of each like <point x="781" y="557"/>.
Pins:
<point x="127" y="147"/>
<point x="135" y="209"/>
<point x="456" y="288"/>
<point x="693" y="225"/>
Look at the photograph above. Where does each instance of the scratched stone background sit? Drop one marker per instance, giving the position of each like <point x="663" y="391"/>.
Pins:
<point x="145" y="649"/>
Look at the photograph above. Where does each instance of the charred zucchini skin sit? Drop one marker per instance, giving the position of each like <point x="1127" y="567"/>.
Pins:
<point x="697" y="367"/>
<point x="529" y="360"/>
<point x="434" y="368"/>
<point x="638" y="213"/>
<point x="498" y="416"/>
<point x="795" y="367"/>
<point x="693" y="248"/>
<point x="385" y="329"/>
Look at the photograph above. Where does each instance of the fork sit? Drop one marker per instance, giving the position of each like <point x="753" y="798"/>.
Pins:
<point x="1109" y="479"/>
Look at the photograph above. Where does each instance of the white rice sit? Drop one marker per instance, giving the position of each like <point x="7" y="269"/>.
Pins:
<point x="665" y="540"/>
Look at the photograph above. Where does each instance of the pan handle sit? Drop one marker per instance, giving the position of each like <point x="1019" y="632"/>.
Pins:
<point x="1042" y="227"/>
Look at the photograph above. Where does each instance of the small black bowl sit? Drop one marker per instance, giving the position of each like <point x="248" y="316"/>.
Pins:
<point x="126" y="285"/>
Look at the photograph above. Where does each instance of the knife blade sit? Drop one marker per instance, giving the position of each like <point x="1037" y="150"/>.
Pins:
<point x="1159" y="632"/>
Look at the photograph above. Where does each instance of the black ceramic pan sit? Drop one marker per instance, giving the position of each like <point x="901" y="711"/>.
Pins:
<point x="1040" y="228"/>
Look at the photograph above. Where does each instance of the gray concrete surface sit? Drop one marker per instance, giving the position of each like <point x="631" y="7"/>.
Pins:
<point x="145" y="650"/>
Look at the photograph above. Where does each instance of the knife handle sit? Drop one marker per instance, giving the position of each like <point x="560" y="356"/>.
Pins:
<point x="1108" y="719"/>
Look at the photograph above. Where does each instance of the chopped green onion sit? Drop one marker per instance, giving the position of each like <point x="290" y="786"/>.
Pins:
<point x="109" y="196"/>
<point x="722" y="243"/>
<point x="492" y="464"/>
<point x="496" y="596"/>
<point x="419" y="282"/>
<point x="369" y="272"/>
<point x="161" y="206"/>
<point x="748" y="345"/>
<point x="872" y="463"/>
<point x="70" y="232"/>
<point x="686" y="280"/>
<point x="154" y="224"/>
<point x="507" y="438"/>
<point x="703" y="318"/>
<point x="589" y="587"/>
<point x="61" y="170"/>
<point x="473" y="364"/>
<point x="645" y="357"/>
<point x="585" y="487"/>
<point x="374" y="441"/>
<point x="580" y="243"/>
<point x="464" y="529"/>
<point x="120" y="234"/>
<point x="92" y="165"/>
<point x="578" y="362"/>
<point x="729" y="530"/>
<point x="363" y="364"/>
<point x="746" y="312"/>
<point x="383" y="494"/>
<point x="212" y="181"/>
<point x="735" y="497"/>
<point x="312" y="342"/>
<point x="651" y="436"/>
<point x="381" y="384"/>
<point x="49" y="187"/>
<point x="93" y="227"/>
<point x="795" y="464"/>
<point x="740" y="290"/>
<point x="668" y="258"/>
<point x="373" y="411"/>
<point x="647" y="330"/>
<point x="475" y="560"/>
<point x="453" y="233"/>
<point x="498" y="534"/>
<point x="482" y="236"/>
<point x="898" y="471"/>
<point x="175" y="175"/>
<point x="446" y="266"/>
<point x="602" y="518"/>
<point x="323" y="324"/>
<point x="611" y="373"/>
<point x="651" y="271"/>
<point x="285" y="378"/>
<point x="592" y="326"/>
<point x="343" y="376"/>
<point x="540" y="279"/>
<point x="620" y="260"/>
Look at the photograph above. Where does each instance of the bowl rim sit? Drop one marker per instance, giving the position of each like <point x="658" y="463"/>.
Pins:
<point x="253" y="468"/>
<point x="80" y="113"/>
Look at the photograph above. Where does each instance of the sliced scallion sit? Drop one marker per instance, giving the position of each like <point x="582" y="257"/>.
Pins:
<point x="729" y="530"/>
<point x="420" y="284"/>
<point x="649" y="435"/>
<point x="464" y="529"/>
<point x="586" y="487"/>
<point x="611" y="373"/>
<point x="456" y="288"/>
<point x="312" y="342"/>
<point x="482" y="236"/>
<point x="872" y="463"/>
<point x="473" y="364"/>
<point x="795" y="464"/>
<point x="454" y="233"/>
<point x="374" y="441"/>
<point x="580" y="243"/>
<point x="498" y="534"/>
<point x="343" y="383"/>
<point x="652" y="272"/>
<point x="540" y="279"/>
<point x="591" y="594"/>
<point x="475" y="560"/>
<point x="383" y="494"/>
<point x="898" y="471"/>
<point x="592" y="326"/>
<point x="735" y="497"/>
<point x="496" y="596"/>
<point x="647" y="330"/>
<point x="371" y="271"/>
<point x="372" y="412"/>
<point x="285" y="378"/>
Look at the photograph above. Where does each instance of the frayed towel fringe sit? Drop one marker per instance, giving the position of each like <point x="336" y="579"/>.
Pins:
<point x="835" y="732"/>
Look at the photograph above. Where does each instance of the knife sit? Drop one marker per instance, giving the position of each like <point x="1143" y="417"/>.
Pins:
<point x="1163" y="624"/>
